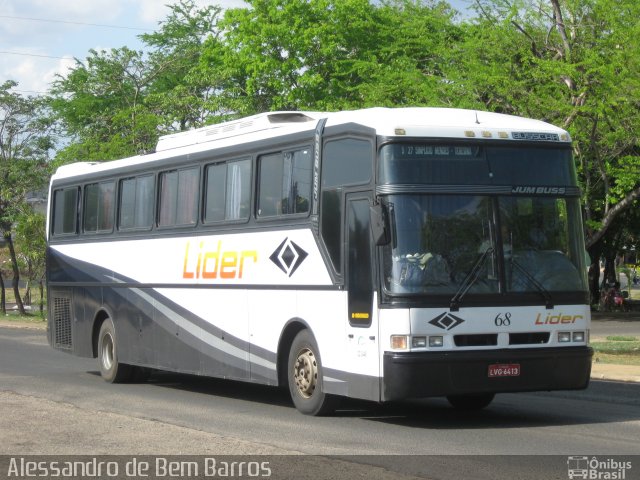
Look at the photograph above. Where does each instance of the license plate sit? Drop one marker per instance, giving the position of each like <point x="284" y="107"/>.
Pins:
<point x="504" y="370"/>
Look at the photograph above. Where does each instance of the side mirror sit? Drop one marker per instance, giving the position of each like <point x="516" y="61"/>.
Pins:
<point x="379" y="225"/>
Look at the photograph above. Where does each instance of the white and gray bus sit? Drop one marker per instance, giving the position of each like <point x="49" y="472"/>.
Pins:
<point x="378" y="254"/>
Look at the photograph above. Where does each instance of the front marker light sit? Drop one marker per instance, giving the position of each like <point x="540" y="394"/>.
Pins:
<point x="399" y="342"/>
<point x="564" y="337"/>
<point x="436" y="341"/>
<point x="578" y="336"/>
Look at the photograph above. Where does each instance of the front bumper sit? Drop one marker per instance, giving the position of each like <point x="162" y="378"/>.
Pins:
<point x="427" y="374"/>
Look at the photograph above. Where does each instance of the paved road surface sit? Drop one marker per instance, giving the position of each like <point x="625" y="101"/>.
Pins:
<point x="55" y="403"/>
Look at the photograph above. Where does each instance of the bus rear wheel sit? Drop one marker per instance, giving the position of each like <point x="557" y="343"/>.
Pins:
<point x="305" y="377"/>
<point x="471" y="402"/>
<point x="111" y="369"/>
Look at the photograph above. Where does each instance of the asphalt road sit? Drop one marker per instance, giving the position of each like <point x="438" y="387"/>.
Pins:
<point x="184" y="414"/>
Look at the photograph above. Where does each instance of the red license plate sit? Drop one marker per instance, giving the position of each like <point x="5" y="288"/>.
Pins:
<point x="504" y="370"/>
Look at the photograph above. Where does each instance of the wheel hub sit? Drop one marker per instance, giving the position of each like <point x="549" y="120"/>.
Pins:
<point x="305" y="372"/>
<point x="107" y="352"/>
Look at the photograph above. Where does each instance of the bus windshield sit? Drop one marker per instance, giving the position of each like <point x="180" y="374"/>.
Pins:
<point x="437" y="240"/>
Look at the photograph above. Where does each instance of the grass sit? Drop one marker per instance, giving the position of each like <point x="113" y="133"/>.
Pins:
<point x="616" y="359"/>
<point x="15" y="317"/>
<point x="617" y="349"/>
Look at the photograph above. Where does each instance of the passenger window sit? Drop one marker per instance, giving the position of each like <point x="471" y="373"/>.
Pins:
<point x="285" y="183"/>
<point x="98" y="208"/>
<point x="179" y="197"/>
<point x="136" y="203"/>
<point x="228" y="191"/>
<point x="65" y="211"/>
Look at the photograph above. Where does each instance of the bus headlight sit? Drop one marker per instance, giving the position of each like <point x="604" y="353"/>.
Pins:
<point x="564" y="337"/>
<point x="418" y="342"/>
<point x="578" y="337"/>
<point x="436" y="341"/>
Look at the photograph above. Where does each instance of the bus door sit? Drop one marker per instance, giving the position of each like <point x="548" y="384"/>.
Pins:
<point x="362" y="321"/>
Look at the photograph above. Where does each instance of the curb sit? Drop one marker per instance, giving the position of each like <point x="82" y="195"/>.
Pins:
<point x="618" y="373"/>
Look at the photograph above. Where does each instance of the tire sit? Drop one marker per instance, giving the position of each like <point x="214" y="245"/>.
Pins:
<point x="304" y="375"/>
<point x="111" y="369"/>
<point x="471" y="402"/>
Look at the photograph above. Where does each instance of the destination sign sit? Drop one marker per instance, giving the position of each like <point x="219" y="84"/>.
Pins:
<point x="435" y="151"/>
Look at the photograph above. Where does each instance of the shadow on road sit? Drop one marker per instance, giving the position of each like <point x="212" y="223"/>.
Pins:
<point x="603" y="402"/>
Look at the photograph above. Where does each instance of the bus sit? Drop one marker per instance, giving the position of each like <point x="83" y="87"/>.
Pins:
<point x="379" y="254"/>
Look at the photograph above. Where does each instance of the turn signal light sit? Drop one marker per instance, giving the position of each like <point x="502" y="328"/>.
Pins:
<point x="399" y="342"/>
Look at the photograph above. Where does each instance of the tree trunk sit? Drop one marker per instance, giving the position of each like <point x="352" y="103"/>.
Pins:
<point x="595" y="252"/>
<point x="41" y="288"/>
<point x="3" y="296"/>
<point x="16" y="273"/>
<point x="610" y="268"/>
<point x="27" y="294"/>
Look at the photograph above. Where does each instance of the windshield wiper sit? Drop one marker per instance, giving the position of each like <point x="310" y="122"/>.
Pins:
<point x="469" y="280"/>
<point x="545" y="293"/>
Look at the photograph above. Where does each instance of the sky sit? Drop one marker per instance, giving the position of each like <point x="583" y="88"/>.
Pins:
<point x="39" y="39"/>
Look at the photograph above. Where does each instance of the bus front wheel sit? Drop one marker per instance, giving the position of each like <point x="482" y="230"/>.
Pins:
<point x="305" y="377"/>
<point x="111" y="369"/>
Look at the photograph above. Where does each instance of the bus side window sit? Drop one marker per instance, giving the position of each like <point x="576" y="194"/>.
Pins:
<point x="285" y="183"/>
<point x="179" y="197"/>
<point x="136" y="203"/>
<point x="227" y="191"/>
<point x="98" y="211"/>
<point x="65" y="211"/>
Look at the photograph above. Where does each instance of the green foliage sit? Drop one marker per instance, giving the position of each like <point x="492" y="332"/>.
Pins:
<point x="25" y="142"/>
<point x="101" y="106"/>
<point x="31" y="243"/>
<point x="331" y="55"/>
<point x="180" y="95"/>
<point x="116" y="103"/>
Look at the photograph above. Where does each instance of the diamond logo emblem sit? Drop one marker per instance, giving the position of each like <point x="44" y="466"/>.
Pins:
<point x="446" y="321"/>
<point x="288" y="256"/>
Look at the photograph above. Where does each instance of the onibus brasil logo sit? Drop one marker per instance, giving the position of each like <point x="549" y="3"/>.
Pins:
<point x="595" y="468"/>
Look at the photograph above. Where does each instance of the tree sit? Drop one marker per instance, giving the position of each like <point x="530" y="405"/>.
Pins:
<point x="100" y="104"/>
<point x="180" y="94"/>
<point x="573" y="63"/>
<point x="30" y="240"/>
<point x="330" y="54"/>
<point x="116" y="103"/>
<point x="25" y="142"/>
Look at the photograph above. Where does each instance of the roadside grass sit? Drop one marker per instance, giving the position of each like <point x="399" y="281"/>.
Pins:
<point x="30" y="319"/>
<point x="617" y="349"/>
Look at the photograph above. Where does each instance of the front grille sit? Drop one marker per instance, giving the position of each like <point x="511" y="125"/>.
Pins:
<point x="62" y="322"/>
<point x="528" y="338"/>
<point x="479" y="340"/>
